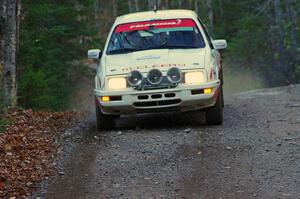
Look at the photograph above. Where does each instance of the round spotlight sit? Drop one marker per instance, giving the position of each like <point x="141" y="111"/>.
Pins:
<point x="174" y="75"/>
<point x="135" y="78"/>
<point x="155" y="76"/>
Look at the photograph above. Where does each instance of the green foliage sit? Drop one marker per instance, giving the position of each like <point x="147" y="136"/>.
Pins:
<point x="255" y="38"/>
<point x="249" y="43"/>
<point x="3" y="123"/>
<point x="50" y="41"/>
<point x="55" y="35"/>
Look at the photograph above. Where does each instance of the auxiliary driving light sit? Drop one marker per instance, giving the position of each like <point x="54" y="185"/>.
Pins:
<point x="135" y="78"/>
<point x="155" y="76"/>
<point x="174" y="75"/>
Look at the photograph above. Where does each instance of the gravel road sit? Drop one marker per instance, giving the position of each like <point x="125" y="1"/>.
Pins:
<point x="255" y="154"/>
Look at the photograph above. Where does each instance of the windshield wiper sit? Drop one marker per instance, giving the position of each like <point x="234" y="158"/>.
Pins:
<point x="166" y="46"/>
<point x="123" y="51"/>
<point x="130" y="50"/>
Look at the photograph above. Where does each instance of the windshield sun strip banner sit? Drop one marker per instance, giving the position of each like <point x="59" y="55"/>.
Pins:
<point x="145" y="25"/>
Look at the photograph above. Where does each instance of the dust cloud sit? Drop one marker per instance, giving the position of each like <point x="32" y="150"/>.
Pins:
<point x="238" y="78"/>
<point x="83" y="96"/>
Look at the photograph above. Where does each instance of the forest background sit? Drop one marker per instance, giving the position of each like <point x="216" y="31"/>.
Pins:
<point x="44" y="42"/>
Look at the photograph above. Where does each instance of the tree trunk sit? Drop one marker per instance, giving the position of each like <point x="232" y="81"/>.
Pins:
<point x="130" y="7"/>
<point x="97" y="10"/>
<point x="221" y="11"/>
<point x="150" y="4"/>
<point x="19" y="8"/>
<point x="10" y="50"/>
<point x="163" y="4"/>
<point x="211" y="15"/>
<point x="115" y="8"/>
<point x="173" y="4"/>
<point x="185" y="4"/>
<point x="280" y="41"/>
<point x="196" y="6"/>
<point x="2" y="8"/>
<point x="180" y="3"/>
<point x="158" y="4"/>
<point x="167" y="4"/>
<point x="292" y="18"/>
<point x="278" y="23"/>
<point x="137" y="6"/>
<point x="291" y="33"/>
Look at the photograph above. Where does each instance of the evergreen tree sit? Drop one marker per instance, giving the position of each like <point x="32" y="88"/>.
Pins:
<point x="263" y="36"/>
<point x="51" y="39"/>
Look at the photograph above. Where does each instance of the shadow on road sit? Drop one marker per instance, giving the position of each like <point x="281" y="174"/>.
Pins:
<point x="157" y="121"/>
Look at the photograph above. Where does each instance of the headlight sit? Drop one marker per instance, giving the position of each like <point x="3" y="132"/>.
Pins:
<point x="135" y="78"/>
<point x="174" y="75"/>
<point x="117" y="83"/>
<point x="155" y="76"/>
<point x="194" y="77"/>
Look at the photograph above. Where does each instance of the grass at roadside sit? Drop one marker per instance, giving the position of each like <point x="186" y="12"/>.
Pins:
<point x="3" y="123"/>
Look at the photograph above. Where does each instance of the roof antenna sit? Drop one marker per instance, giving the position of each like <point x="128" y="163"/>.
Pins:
<point x="155" y="6"/>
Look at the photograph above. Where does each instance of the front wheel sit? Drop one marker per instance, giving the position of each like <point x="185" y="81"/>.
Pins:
<point x="214" y="115"/>
<point x="104" y="122"/>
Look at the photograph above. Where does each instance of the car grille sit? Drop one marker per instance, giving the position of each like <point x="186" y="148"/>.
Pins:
<point x="156" y="96"/>
<point x="157" y="103"/>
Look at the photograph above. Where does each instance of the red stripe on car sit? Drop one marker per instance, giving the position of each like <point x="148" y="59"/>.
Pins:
<point x="172" y="23"/>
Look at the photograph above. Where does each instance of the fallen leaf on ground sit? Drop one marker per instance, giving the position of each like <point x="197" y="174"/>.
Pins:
<point x="28" y="149"/>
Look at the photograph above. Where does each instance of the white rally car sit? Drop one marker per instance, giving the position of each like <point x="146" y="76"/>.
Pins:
<point x="158" y="61"/>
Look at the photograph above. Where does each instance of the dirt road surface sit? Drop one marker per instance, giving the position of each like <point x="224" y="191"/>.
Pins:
<point x="255" y="154"/>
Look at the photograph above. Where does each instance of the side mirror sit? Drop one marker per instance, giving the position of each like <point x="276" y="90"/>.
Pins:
<point x="220" y="44"/>
<point x="94" y="54"/>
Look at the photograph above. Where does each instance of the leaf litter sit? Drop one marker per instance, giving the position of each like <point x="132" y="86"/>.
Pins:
<point x="28" y="149"/>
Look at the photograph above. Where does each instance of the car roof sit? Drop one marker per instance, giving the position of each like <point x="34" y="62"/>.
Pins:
<point x="152" y="15"/>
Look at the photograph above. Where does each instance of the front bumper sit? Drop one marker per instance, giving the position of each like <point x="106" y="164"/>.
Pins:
<point x="178" y="99"/>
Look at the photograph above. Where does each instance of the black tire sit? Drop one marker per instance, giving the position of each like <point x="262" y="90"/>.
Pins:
<point x="104" y="122"/>
<point x="222" y="84"/>
<point x="214" y="115"/>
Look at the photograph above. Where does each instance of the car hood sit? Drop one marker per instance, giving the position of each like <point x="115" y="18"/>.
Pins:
<point x="161" y="59"/>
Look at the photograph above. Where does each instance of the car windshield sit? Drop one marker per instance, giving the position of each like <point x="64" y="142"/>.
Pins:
<point x="162" y="34"/>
